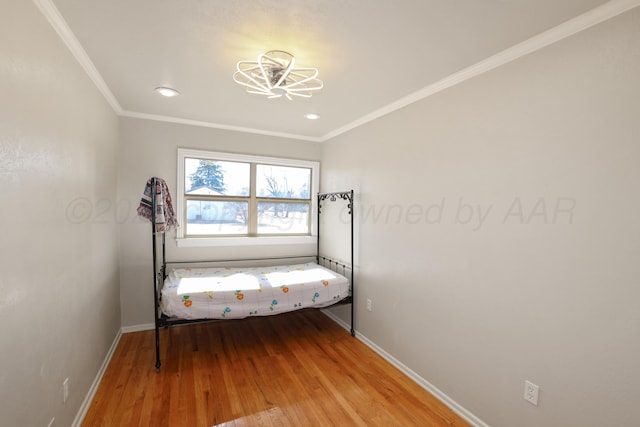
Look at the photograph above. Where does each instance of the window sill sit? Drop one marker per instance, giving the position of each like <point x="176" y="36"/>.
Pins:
<point x="201" y="242"/>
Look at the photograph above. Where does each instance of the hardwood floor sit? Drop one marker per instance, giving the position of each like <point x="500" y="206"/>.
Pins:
<point x="296" y="369"/>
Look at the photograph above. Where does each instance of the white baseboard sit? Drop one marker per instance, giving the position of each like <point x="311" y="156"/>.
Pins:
<point x="138" y="328"/>
<point x="338" y="320"/>
<point x="77" y="422"/>
<point x="452" y="404"/>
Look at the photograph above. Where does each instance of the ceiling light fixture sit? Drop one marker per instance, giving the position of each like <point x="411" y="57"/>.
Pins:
<point x="274" y="76"/>
<point x="167" y="91"/>
<point x="311" y="116"/>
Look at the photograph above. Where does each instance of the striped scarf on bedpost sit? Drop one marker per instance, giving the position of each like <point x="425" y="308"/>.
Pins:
<point x="165" y="215"/>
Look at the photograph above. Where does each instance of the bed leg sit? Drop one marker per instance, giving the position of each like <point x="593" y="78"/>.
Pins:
<point x="157" y="345"/>
<point x="353" y="317"/>
<point x="158" y="364"/>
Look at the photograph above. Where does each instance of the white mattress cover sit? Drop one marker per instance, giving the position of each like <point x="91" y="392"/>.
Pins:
<point x="233" y="293"/>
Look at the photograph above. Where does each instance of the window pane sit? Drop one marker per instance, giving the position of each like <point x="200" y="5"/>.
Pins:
<point x="283" y="182"/>
<point x="213" y="217"/>
<point x="283" y="218"/>
<point x="216" y="178"/>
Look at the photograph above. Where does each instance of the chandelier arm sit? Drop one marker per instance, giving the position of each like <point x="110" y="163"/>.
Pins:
<point x="299" y="70"/>
<point x="240" y="63"/>
<point x="258" y="92"/>
<point x="262" y="70"/>
<point x="298" y="83"/>
<point x="248" y="77"/>
<point x="259" y="87"/>
<point x="286" y="73"/>
<point x="305" y="78"/>
<point x="272" y="61"/>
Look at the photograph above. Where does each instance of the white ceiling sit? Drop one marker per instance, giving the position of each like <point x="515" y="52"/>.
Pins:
<point x="373" y="55"/>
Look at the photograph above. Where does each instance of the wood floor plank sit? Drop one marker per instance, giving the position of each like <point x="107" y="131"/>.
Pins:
<point x="296" y="369"/>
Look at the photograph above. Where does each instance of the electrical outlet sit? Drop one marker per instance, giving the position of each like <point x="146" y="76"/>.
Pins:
<point x="369" y="304"/>
<point x="65" y="390"/>
<point x="531" y="392"/>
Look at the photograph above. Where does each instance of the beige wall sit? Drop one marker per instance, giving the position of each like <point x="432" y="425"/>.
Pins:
<point x="149" y="148"/>
<point x="59" y="293"/>
<point x="499" y="233"/>
<point x="497" y="227"/>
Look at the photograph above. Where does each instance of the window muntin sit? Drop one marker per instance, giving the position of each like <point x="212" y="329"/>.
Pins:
<point x="228" y="195"/>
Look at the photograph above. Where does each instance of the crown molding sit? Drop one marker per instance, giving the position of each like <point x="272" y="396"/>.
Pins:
<point x="170" y="119"/>
<point x="51" y="12"/>
<point x="581" y="22"/>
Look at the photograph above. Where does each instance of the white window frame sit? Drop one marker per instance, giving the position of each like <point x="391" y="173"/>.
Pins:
<point x="183" y="241"/>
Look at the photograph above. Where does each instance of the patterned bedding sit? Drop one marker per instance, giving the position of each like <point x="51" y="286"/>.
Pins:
<point x="233" y="293"/>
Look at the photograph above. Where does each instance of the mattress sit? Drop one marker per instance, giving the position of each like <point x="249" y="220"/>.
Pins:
<point x="234" y="293"/>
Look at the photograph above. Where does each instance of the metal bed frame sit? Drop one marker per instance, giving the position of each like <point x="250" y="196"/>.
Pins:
<point x="160" y="272"/>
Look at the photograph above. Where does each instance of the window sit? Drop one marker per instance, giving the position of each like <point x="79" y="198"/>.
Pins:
<point x="233" y="196"/>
